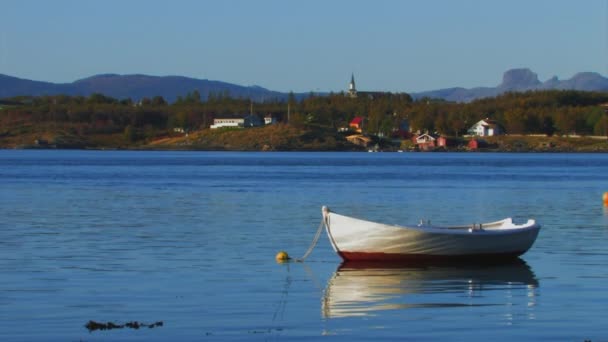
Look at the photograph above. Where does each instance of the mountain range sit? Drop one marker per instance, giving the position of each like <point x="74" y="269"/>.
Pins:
<point x="519" y="80"/>
<point x="171" y="87"/>
<point x="135" y="87"/>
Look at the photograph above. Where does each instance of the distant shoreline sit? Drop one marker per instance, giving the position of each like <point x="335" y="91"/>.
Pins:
<point x="499" y="145"/>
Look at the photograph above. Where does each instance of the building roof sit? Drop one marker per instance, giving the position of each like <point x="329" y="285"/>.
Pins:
<point x="489" y="123"/>
<point x="425" y="137"/>
<point x="235" y="116"/>
<point x="357" y="120"/>
<point x="359" y="139"/>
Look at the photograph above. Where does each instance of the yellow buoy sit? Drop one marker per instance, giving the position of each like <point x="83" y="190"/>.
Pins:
<point x="605" y="198"/>
<point x="282" y="256"/>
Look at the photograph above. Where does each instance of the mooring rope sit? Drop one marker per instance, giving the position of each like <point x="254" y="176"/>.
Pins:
<point x="314" y="242"/>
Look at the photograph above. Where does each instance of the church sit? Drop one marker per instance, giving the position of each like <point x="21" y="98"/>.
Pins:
<point x="353" y="93"/>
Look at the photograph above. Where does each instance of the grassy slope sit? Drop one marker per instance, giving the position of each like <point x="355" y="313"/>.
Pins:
<point x="278" y="137"/>
<point x="269" y="138"/>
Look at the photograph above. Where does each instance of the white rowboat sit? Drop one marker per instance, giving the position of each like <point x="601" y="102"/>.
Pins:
<point x="355" y="239"/>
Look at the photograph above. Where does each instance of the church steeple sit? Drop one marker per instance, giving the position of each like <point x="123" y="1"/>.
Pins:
<point x="352" y="90"/>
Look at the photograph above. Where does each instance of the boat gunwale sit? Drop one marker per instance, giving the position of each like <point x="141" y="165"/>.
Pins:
<point x="476" y="228"/>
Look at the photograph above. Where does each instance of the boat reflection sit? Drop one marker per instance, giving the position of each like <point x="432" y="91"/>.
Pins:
<point x="360" y="289"/>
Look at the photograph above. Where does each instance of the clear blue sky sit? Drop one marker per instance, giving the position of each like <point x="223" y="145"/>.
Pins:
<point x="312" y="45"/>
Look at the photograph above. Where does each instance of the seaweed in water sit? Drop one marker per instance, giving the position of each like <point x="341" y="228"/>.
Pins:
<point x="92" y="325"/>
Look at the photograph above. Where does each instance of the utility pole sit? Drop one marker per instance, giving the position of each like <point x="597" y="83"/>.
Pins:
<point x="605" y="107"/>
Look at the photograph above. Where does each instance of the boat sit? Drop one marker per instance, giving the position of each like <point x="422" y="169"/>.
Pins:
<point x="355" y="239"/>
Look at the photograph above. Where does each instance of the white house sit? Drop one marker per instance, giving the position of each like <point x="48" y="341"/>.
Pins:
<point x="486" y="128"/>
<point x="269" y="119"/>
<point x="246" y="121"/>
<point x="227" y="122"/>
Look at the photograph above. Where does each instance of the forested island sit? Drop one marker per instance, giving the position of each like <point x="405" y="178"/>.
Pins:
<point x="551" y="120"/>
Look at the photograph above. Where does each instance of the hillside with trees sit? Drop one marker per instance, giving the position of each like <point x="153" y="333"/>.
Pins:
<point x="311" y="123"/>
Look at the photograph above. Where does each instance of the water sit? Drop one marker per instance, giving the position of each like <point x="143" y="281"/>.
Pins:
<point x="189" y="238"/>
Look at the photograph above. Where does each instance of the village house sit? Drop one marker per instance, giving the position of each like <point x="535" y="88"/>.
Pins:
<point x="486" y="128"/>
<point x="404" y="130"/>
<point x="443" y="141"/>
<point x="425" y="142"/>
<point x="475" y="144"/>
<point x="356" y="124"/>
<point x="269" y="119"/>
<point x="237" y="121"/>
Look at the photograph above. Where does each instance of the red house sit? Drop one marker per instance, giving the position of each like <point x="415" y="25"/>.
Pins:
<point x="356" y="124"/>
<point x="476" y="143"/>
<point x="442" y="141"/>
<point x="425" y="142"/>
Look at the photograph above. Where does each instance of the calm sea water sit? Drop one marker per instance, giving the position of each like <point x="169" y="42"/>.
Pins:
<point x="189" y="238"/>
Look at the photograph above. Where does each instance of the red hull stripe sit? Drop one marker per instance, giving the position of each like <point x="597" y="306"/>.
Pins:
<point x="363" y="256"/>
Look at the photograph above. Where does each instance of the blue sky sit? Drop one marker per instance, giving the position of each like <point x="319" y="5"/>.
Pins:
<point x="313" y="45"/>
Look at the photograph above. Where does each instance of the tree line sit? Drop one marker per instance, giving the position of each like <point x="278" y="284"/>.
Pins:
<point x="534" y="112"/>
